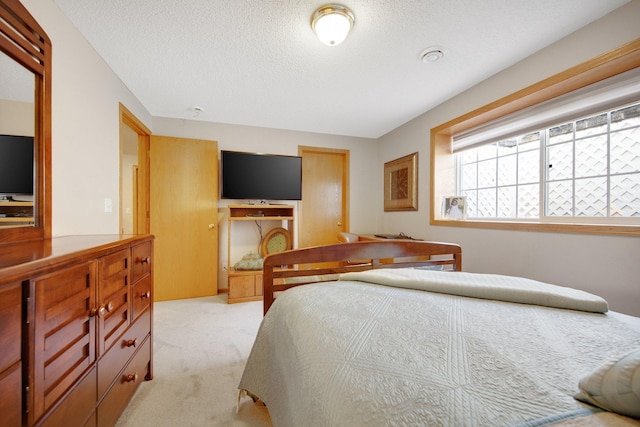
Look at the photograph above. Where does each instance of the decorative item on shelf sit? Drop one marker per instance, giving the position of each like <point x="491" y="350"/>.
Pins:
<point x="454" y="207"/>
<point x="250" y="261"/>
<point x="276" y="240"/>
<point x="400" y="184"/>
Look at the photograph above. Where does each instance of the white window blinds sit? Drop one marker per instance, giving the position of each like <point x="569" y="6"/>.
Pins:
<point x="610" y="93"/>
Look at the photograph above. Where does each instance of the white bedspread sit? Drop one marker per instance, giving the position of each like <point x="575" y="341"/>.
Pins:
<point x="356" y="354"/>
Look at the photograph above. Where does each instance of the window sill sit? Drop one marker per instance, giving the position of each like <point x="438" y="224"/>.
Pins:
<point x="606" y="229"/>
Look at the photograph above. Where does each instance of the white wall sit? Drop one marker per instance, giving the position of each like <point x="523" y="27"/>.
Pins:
<point x="85" y="161"/>
<point x="85" y="128"/>
<point x="365" y="210"/>
<point x="16" y="118"/>
<point x="604" y="265"/>
<point x="85" y="138"/>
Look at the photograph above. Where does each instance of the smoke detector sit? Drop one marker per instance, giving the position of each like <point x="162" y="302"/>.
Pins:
<point x="432" y="54"/>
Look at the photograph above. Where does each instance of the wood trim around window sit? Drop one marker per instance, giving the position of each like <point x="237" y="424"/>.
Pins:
<point x="443" y="166"/>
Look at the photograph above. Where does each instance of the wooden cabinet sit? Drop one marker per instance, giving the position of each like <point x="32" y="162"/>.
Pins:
<point x="114" y="301"/>
<point x="64" y="331"/>
<point x="10" y="357"/>
<point x="246" y="285"/>
<point x="84" y="312"/>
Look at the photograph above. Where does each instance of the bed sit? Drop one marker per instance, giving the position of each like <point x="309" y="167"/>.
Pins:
<point x="395" y="334"/>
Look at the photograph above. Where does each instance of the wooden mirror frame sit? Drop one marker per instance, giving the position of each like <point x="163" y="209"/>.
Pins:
<point x="24" y="41"/>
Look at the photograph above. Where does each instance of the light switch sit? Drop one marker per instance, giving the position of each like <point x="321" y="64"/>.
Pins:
<point x="108" y="205"/>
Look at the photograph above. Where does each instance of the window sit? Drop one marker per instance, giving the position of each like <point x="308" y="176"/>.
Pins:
<point x="586" y="168"/>
<point x="502" y="179"/>
<point x="531" y="161"/>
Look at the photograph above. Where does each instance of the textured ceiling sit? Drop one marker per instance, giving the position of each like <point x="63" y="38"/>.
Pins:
<point x="258" y="63"/>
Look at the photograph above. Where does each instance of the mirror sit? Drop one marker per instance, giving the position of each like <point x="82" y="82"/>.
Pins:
<point x="17" y="124"/>
<point x="25" y="126"/>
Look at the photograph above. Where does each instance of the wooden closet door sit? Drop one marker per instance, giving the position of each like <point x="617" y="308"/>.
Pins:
<point x="184" y="217"/>
<point x="325" y="195"/>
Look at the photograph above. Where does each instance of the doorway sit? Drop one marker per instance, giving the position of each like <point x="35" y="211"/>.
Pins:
<point x="324" y="210"/>
<point x="134" y="174"/>
<point x="175" y="198"/>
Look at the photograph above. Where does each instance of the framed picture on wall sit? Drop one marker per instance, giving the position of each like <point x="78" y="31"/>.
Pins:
<point x="454" y="207"/>
<point x="401" y="184"/>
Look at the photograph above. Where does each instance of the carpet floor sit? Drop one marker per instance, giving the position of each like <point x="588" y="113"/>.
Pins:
<point x="200" y="348"/>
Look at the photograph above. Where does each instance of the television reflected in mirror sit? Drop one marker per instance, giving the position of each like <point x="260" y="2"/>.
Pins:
<point x="16" y="167"/>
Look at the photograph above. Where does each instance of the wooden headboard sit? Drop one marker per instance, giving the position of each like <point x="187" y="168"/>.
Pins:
<point x="285" y="270"/>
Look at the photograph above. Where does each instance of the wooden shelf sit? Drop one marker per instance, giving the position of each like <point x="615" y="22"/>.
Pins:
<point x="246" y="285"/>
<point x="262" y="218"/>
<point x="16" y="219"/>
<point x="14" y="203"/>
<point x="17" y="213"/>
<point x="253" y="212"/>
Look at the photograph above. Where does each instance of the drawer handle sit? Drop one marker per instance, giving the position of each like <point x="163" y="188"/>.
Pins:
<point x="131" y="343"/>
<point x="145" y="260"/>
<point x="110" y="306"/>
<point x="131" y="378"/>
<point x="100" y="312"/>
<point x="145" y="295"/>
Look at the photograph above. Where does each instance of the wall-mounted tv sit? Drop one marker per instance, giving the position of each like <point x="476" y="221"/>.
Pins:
<point x="16" y="165"/>
<point x="254" y="176"/>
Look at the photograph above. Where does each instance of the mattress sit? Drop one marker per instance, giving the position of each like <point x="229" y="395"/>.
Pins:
<point x="353" y="353"/>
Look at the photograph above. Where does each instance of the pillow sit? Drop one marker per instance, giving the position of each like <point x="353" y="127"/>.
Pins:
<point x="614" y="386"/>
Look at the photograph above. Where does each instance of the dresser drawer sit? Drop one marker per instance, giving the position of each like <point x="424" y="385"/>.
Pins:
<point x="10" y="321"/>
<point x="126" y="384"/>
<point x="10" y="396"/>
<point x="118" y="355"/>
<point x="141" y="296"/>
<point x="141" y="261"/>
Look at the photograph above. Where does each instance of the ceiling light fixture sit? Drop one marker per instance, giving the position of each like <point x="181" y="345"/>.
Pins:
<point x="432" y="54"/>
<point x="332" y="23"/>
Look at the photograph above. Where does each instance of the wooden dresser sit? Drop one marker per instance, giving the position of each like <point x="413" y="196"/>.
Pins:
<point x="76" y="317"/>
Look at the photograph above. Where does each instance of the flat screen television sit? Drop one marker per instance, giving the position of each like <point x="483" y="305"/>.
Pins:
<point x="16" y="165"/>
<point x="254" y="176"/>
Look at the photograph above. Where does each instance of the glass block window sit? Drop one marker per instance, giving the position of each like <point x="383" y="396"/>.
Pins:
<point x="584" y="168"/>
<point x="502" y="179"/>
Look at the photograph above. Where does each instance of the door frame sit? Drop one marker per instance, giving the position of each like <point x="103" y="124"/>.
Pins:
<point x="141" y="207"/>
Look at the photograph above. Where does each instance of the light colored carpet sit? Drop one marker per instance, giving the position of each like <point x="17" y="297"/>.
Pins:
<point x="200" y="349"/>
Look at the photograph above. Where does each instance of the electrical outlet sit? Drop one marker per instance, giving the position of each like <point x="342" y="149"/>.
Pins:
<point x="108" y="205"/>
